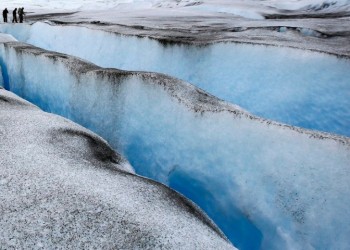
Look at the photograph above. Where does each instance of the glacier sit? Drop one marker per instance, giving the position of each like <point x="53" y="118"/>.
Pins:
<point x="63" y="187"/>
<point x="201" y="30"/>
<point x="304" y="89"/>
<point x="213" y="152"/>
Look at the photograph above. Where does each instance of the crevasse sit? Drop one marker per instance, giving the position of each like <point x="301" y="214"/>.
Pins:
<point x="296" y="87"/>
<point x="266" y="185"/>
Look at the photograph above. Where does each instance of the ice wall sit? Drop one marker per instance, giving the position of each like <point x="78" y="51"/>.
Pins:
<point x="265" y="184"/>
<point x="300" y="88"/>
<point x="4" y="74"/>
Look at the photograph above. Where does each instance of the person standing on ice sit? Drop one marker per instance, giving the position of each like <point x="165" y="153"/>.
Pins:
<point x="4" y="14"/>
<point x="21" y="14"/>
<point x="14" y="14"/>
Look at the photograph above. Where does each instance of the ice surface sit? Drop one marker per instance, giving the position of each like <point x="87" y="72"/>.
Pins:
<point x="63" y="187"/>
<point x="296" y="87"/>
<point x="244" y="8"/>
<point x="266" y="185"/>
<point x="6" y="38"/>
<point x="253" y="221"/>
<point x="318" y="5"/>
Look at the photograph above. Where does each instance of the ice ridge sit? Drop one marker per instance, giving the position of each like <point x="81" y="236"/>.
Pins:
<point x="64" y="187"/>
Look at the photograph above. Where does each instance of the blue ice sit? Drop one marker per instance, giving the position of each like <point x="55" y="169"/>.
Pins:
<point x="267" y="186"/>
<point x="296" y="87"/>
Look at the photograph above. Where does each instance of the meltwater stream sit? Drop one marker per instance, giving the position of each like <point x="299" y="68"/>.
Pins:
<point x="296" y="87"/>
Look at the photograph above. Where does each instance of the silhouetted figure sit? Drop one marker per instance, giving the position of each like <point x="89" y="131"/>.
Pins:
<point x="14" y="14"/>
<point x="21" y="14"/>
<point x="4" y="14"/>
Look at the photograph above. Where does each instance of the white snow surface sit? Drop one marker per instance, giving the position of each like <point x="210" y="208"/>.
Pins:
<point x="277" y="187"/>
<point x="64" y="187"/>
<point x="111" y="8"/>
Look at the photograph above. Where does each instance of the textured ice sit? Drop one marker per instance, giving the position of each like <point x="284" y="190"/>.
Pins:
<point x="296" y="87"/>
<point x="63" y="187"/>
<point x="204" y="22"/>
<point x="265" y="184"/>
<point x="244" y="8"/>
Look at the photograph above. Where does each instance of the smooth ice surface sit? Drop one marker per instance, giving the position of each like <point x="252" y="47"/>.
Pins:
<point x="296" y="87"/>
<point x="63" y="187"/>
<point x="266" y="185"/>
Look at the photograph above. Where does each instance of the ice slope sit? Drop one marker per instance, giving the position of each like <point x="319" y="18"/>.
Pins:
<point x="64" y="187"/>
<point x="265" y="184"/>
<point x="296" y="87"/>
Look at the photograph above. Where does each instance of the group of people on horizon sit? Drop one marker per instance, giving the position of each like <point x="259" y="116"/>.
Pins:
<point x="14" y="15"/>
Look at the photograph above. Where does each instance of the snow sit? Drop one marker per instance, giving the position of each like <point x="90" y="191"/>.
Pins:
<point x="244" y="8"/>
<point x="316" y="98"/>
<point x="265" y="184"/>
<point x="329" y="5"/>
<point x="63" y="187"/>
